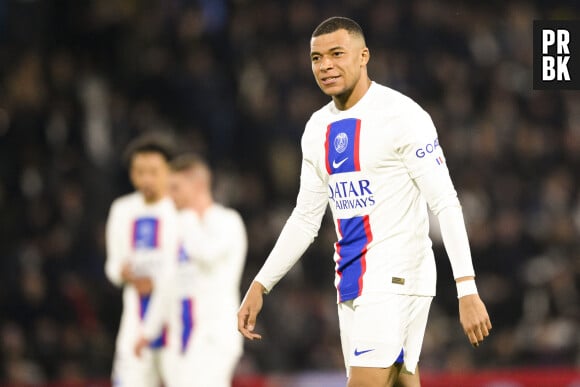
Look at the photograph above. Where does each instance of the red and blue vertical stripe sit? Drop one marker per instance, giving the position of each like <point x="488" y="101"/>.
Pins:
<point x="355" y="236"/>
<point x="160" y="341"/>
<point x="342" y="146"/>
<point x="187" y="322"/>
<point x="146" y="237"/>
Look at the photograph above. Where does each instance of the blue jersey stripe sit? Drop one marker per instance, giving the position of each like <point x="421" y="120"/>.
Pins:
<point x="187" y="322"/>
<point x="143" y="305"/>
<point x="341" y="147"/>
<point x="351" y="248"/>
<point x="144" y="301"/>
<point x="401" y="357"/>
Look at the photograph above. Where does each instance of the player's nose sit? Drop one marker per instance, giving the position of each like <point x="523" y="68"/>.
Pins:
<point x="326" y="64"/>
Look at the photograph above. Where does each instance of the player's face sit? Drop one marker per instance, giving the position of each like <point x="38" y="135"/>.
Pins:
<point x="181" y="189"/>
<point x="338" y="60"/>
<point x="149" y="174"/>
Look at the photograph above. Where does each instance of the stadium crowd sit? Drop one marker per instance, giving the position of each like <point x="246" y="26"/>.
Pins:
<point x="79" y="79"/>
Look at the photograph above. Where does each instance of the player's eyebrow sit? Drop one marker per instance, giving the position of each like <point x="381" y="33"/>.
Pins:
<point x="329" y="50"/>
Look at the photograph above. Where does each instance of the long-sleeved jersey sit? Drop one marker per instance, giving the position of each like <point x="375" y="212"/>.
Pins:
<point x="377" y="165"/>
<point x="144" y="236"/>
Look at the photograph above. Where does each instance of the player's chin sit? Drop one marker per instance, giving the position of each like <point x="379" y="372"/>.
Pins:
<point x="331" y="90"/>
<point x="149" y="194"/>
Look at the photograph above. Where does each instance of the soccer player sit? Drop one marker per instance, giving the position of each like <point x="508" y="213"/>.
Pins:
<point x="373" y="155"/>
<point x="202" y="296"/>
<point x="141" y="245"/>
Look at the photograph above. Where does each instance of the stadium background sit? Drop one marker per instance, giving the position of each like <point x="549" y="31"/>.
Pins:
<point x="232" y="78"/>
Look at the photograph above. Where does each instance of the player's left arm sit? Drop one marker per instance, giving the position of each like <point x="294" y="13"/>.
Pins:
<point x="423" y="156"/>
<point x="438" y="190"/>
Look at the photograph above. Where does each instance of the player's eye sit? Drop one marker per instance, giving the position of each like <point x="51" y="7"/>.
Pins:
<point x="338" y="54"/>
<point x="315" y="58"/>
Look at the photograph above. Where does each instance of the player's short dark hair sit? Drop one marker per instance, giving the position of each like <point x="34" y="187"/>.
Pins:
<point x="150" y="142"/>
<point x="336" y="23"/>
<point x="187" y="161"/>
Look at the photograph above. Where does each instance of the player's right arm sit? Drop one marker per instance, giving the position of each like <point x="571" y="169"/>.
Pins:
<point x="298" y="233"/>
<point x="116" y="266"/>
<point x="249" y="310"/>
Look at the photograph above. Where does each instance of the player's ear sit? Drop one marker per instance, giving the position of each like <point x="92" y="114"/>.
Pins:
<point x="365" y="55"/>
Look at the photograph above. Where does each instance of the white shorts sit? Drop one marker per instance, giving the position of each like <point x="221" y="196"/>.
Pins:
<point x="130" y="371"/>
<point x="378" y="330"/>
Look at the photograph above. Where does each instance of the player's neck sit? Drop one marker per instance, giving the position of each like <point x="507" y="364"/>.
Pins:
<point x="202" y="204"/>
<point x="153" y="199"/>
<point x="348" y="100"/>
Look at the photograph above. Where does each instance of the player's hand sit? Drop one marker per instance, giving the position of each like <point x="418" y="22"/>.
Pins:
<point x="127" y="272"/>
<point x="140" y="345"/>
<point x="474" y="319"/>
<point x="251" y="306"/>
<point x="144" y="285"/>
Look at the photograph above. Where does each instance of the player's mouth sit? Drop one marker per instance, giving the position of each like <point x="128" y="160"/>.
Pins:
<point x="329" y="80"/>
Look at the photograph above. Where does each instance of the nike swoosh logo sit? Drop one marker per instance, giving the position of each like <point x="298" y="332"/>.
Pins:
<point x="336" y="165"/>
<point x="358" y="353"/>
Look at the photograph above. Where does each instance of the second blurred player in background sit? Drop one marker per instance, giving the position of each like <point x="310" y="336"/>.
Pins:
<point x="201" y="296"/>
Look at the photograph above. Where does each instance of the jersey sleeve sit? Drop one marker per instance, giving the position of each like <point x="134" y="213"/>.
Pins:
<point x="423" y="157"/>
<point x="417" y="143"/>
<point x="439" y="193"/>
<point x="116" y="256"/>
<point x="300" y="229"/>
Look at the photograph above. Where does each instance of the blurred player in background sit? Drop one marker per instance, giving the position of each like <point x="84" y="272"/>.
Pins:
<point x="202" y="296"/>
<point x="141" y="245"/>
<point x="373" y="155"/>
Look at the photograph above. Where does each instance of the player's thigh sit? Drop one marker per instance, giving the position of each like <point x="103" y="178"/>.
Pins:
<point x="407" y="379"/>
<point x="373" y="376"/>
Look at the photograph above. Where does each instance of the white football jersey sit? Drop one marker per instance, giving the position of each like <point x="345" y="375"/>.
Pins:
<point x="366" y="159"/>
<point x="145" y="236"/>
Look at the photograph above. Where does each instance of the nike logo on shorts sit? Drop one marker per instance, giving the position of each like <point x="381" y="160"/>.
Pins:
<point x="358" y="353"/>
<point x="336" y="165"/>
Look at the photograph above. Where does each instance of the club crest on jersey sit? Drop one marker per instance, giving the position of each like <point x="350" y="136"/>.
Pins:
<point x="341" y="142"/>
<point x="145" y="233"/>
<point x="342" y="146"/>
